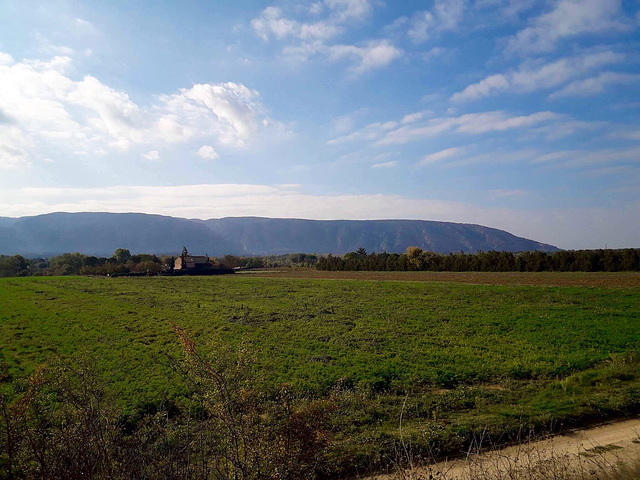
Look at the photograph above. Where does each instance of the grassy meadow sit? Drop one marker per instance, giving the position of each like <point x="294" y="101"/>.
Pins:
<point x="451" y="359"/>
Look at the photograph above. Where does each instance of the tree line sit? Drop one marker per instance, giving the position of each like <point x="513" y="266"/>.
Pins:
<point x="416" y="259"/>
<point x="269" y="261"/>
<point x="122" y="262"/>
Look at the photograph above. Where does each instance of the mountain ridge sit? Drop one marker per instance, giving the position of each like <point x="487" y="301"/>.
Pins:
<point x="98" y="233"/>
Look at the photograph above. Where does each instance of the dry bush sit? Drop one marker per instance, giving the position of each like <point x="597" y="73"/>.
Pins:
<point x="259" y="436"/>
<point x="61" y="427"/>
<point x="65" y="426"/>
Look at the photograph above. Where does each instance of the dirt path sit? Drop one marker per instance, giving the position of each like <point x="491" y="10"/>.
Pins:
<point x="586" y="449"/>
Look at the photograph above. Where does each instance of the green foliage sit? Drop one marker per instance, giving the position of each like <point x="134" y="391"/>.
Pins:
<point x="452" y="359"/>
<point x="66" y="425"/>
<point x="271" y="261"/>
<point x="68" y="263"/>
<point x="15" y="266"/>
<point x="122" y="262"/>
<point x="492" y="261"/>
<point x="312" y="333"/>
<point x="121" y="255"/>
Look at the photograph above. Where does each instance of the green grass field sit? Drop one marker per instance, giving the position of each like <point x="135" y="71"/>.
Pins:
<point x="450" y="357"/>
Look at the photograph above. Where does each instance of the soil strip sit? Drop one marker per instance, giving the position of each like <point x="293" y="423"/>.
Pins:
<point x="588" y="449"/>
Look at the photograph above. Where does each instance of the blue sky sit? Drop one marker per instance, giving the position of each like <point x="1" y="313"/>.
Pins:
<point x="521" y="115"/>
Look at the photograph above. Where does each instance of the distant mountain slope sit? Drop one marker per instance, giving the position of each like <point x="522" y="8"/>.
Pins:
<point x="272" y="235"/>
<point x="6" y="221"/>
<point x="102" y="233"/>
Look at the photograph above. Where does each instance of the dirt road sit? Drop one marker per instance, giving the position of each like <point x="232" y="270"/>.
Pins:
<point x="582" y="449"/>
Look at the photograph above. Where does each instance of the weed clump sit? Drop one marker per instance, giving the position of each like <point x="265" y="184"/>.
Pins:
<point x="65" y="426"/>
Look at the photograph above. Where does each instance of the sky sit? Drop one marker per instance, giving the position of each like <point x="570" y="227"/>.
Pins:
<point x="521" y="115"/>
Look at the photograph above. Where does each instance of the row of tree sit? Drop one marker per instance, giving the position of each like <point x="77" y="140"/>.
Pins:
<point x="122" y="262"/>
<point x="270" y="261"/>
<point x="416" y="259"/>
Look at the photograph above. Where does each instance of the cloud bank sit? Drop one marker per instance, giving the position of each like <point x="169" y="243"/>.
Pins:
<point x="43" y="107"/>
<point x="306" y="39"/>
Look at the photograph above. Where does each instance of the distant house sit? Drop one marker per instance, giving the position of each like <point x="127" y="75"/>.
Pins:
<point x="186" y="261"/>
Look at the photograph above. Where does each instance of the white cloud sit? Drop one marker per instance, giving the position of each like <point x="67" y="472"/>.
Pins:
<point x="627" y="135"/>
<point x="373" y="55"/>
<point x="106" y="110"/>
<point x="513" y="8"/>
<point x="390" y="164"/>
<point x="506" y="7"/>
<point x="567" y="228"/>
<point x="390" y="133"/>
<point x="49" y="109"/>
<point x="589" y="158"/>
<point x="470" y="123"/>
<point x="82" y="23"/>
<point x="231" y="110"/>
<point x="345" y="10"/>
<point x="371" y="132"/>
<point x="482" y="89"/>
<point x="413" y="117"/>
<point x="475" y="123"/>
<point x="595" y="85"/>
<point x="567" y="127"/>
<point x="316" y="8"/>
<point x="566" y="19"/>
<point x="607" y="156"/>
<point x="494" y="158"/>
<point x="308" y="39"/>
<point x="528" y="78"/>
<point x="14" y="145"/>
<point x="421" y="25"/>
<point x="302" y="53"/>
<point x="505" y="193"/>
<point x="319" y="30"/>
<point x="45" y="46"/>
<point x="207" y="152"/>
<point x="445" y="16"/>
<point x="151" y="155"/>
<point x="344" y="123"/>
<point x="273" y="23"/>
<point x="5" y="59"/>
<point x="441" y="155"/>
<point x="85" y="26"/>
<point x="433" y="53"/>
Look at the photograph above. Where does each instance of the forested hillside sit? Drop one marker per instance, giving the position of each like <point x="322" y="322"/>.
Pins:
<point x="100" y="234"/>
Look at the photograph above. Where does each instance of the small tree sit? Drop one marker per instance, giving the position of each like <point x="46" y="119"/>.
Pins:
<point x="121" y="255"/>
